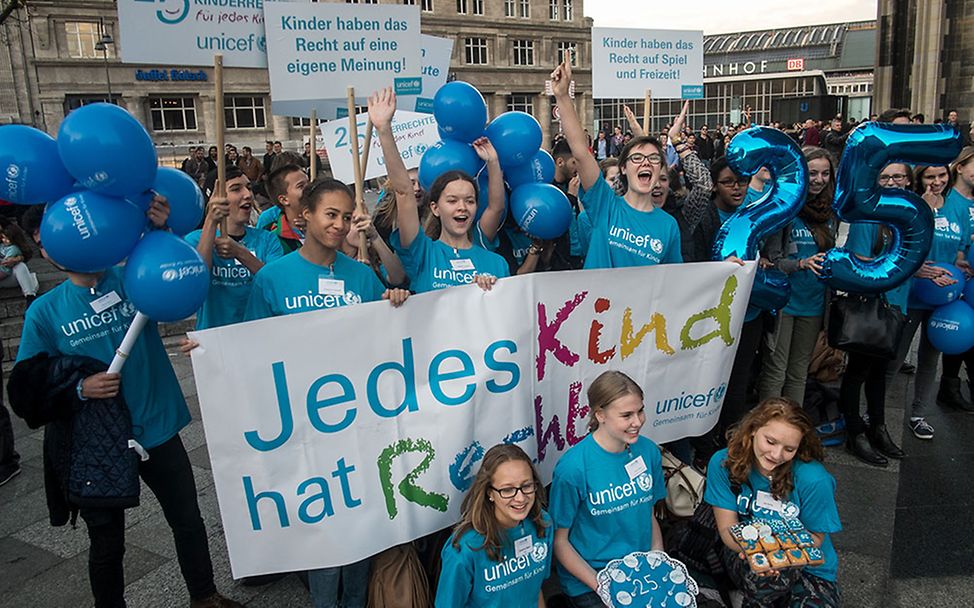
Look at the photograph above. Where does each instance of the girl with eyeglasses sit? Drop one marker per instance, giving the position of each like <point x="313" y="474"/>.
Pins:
<point x="605" y="488"/>
<point x="500" y="551"/>
<point x="798" y="251"/>
<point x="627" y="230"/>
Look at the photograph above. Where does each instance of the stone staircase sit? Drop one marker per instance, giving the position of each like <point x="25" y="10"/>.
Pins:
<point x="12" y="305"/>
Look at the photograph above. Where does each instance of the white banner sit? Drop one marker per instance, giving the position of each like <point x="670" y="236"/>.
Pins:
<point x="628" y="62"/>
<point x="316" y="51"/>
<point x="338" y="433"/>
<point x="181" y="32"/>
<point x="414" y="133"/>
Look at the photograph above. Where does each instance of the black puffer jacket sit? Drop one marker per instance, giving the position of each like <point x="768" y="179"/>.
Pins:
<point x="88" y="461"/>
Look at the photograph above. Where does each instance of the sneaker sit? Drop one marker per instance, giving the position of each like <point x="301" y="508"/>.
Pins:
<point x="9" y="474"/>
<point x="921" y="429"/>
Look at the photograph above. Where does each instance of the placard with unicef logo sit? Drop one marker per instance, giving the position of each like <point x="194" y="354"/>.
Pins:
<point x="644" y="579"/>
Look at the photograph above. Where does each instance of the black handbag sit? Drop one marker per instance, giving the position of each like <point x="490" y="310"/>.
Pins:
<point x="865" y="324"/>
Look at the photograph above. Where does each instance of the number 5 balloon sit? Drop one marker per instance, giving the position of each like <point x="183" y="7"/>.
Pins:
<point x="859" y="198"/>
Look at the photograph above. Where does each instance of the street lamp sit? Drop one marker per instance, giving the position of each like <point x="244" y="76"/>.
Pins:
<point x="102" y="45"/>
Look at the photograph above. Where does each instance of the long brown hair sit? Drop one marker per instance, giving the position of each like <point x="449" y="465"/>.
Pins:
<point x="477" y="511"/>
<point x="432" y="225"/>
<point x="605" y="389"/>
<point x="740" y="443"/>
<point x="817" y="212"/>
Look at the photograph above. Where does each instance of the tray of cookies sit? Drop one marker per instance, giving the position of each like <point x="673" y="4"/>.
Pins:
<point x="776" y="544"/>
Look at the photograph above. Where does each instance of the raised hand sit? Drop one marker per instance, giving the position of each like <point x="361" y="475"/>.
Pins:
<point x="382" y="107"/>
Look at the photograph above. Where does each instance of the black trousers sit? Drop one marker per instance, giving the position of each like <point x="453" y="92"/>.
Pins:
<point x="169" y="476"/>
<point x="952" y="365"/>
<point x="9" y="458"/>
<point x="871" y="372"/>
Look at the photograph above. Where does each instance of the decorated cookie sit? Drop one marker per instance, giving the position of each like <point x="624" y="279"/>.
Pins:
<point x="736" y="531"/>
<point x="750" y="546"/>
<point x="814" y="556"/>
<point x="759" y="562"/>
<point x="778" y="526"/>
<point x="787" y="540"/>
<point x="769" y="544"/>
<point x="804" y="539"/>
<point x="796" y="557"/>
<point x="749" y="532"/>
<point x="764" y="529"/>
<point x="778" y="559"/>
<point x="794" y="524"/>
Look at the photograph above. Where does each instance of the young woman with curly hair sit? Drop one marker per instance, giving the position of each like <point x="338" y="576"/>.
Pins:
<point x="772" y="470"/>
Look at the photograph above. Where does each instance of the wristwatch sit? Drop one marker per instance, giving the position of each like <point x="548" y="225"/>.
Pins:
<point x="535" y="250"/>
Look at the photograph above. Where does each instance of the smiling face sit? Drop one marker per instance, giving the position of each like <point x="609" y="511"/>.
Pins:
<point x="819" y="175"/>
<point x="328" y="224"/>
<point x="661" y="190"/>
<point x="775" y="443"/>
<point x="641" y="162"/>
<point x="621" y="420"/>
<point x="241" y="199"/>
<point x="456" y="207"/>
<point x="508" y="475"/>
<point x="730" y="189"/>
<point x="965" y="173"/>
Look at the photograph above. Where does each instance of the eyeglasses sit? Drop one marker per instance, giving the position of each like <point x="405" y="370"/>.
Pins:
<point x="730" y="183"/>
<point x="527" y="489"/>
<point x="638" y="158"/>
<point x="899" y="178"/>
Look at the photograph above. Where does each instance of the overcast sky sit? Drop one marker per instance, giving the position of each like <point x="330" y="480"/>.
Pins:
<point x="725" y="15"/>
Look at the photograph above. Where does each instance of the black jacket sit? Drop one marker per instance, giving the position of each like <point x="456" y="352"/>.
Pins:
<point x="88" y="461"/>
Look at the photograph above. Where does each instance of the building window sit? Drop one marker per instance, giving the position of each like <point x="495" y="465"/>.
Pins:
<point x="73" y="102"/>
<point x="362" y="2"/>
<point x="304" y="122"/>
<point x="554" y="8"/>
<point x="521" y="102"/>
<point x="523" y="52"/>
<point x="172" y="113"/>
<point x="428" y="6"/>
<point x="509" y="8"/>
<point x="462" y="7"/>
<point x="569" y="10"/>
<point x="478" y="7"/>
<point x="476" y="51"/>
<point x="567" y="47"/>
<point x="243" y="111"/>
<point x="82" y="37"/>
<point x="525" y="9"/>
<point x="409" y="2"/>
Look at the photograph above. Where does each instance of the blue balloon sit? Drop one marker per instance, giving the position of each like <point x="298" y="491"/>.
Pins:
<point x="932" y="294"/>
<point x="447" y="155"/>
<point x="859" y="198"/>
<point x="89" y="232"/>
<point x="142" y="200"/>
<point x="460" y="111"/>
<point x="540" y="169"/>
<point x="31" y="171"/>
<point x="165" y="277"/>
<point x="541" y="210"/>
<point x="185" y="198"/>
<point x="516" y="137"/>
<point x="951" y="328"/>
<point x="107" y="150"/>
<point x="739" y="236"/>
<point x="483" y="196"/>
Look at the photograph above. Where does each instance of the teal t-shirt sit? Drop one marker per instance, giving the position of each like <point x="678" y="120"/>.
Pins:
<point x="862" y="237"/>
<point x="432" y="265"/>
<point x="292" y="284"/>
<point x="469" y="579"/>
<point x="230" y="281"/>
<point x="73" y="320"/>
<point x="812" y="502"/>
<point x="583" y="232"/>
<point x="607" y="513"/>
<point x="951" y="234"/>
<point x="956" y="204"/>
<point x="267" y="217"/>
<point x="807" y="290"/>
<point x="520" y="243"/>
<point x="623" y="236"/>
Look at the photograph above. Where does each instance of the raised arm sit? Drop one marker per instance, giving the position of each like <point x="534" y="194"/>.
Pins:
<point x="382" y="107"/>
<point x="588" y="167"/>
<point x="493" y="216"/>
<point x="218" y="210"/>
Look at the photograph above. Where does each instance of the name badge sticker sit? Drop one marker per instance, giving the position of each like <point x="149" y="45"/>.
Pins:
<point x="635" y="467"/>
<point x="766" y="501"/>
<point x="105" y="302"/>
<point x="331" y="287"/>
<point x="523" y="546"/>
<point x="462" y="264"/>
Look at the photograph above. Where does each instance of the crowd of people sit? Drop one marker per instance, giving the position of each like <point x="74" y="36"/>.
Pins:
<point x="763" y="458"/>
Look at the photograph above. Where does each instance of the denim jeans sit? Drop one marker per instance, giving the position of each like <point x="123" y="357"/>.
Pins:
<point x="169" y="476"/>
<point x="355" y="585"/>
<point x="587" y="600"/>
<point x="786" y="370"/>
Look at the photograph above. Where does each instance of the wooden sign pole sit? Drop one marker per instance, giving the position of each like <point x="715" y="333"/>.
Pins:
<point x="312" y="157"/>
<point x="647" y="112"/>
<point x="221" y="161"/>
<point x="363" y="247"/>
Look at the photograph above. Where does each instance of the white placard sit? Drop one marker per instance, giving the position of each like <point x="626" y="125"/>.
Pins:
<point x="414" y="132"/>
<point x="185" y="32"/>
<point x="316" y="51"/>
<point x="627" y="62"/>
<point x="338" y="433"/>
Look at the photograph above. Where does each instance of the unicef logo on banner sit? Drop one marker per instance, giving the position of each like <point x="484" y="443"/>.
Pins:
<point x="644" y="579"/>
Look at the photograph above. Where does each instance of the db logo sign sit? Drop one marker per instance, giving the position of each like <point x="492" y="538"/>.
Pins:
<point x="796" y="64"/>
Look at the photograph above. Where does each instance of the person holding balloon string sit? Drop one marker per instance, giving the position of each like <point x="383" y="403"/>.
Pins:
<point x="962" y="176"/>
<point x="772" y="469"/>
<point x="871" y="443"/>
<point x="594" y="522"/>
<point x="951" y="238"/>
<point x="500" y="551"/>
<point x="154" y="399"/>
<point x="444" y="255"/>
<point x="233" y="258"/>
<point x="798" y="251"/>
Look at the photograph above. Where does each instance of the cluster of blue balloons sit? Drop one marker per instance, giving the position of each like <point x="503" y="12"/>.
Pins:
<point x="951" y="326"/>
<point x="98" y="179"/>
<point x="540" y="209"/>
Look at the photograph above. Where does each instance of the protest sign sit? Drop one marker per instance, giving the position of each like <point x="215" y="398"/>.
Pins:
<point x="628" y="62"/>
<point x="414" y="133"/>
<point x="180" y="32"/>
<point x="335" y="434"/>
<point x="317" y="51"/>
